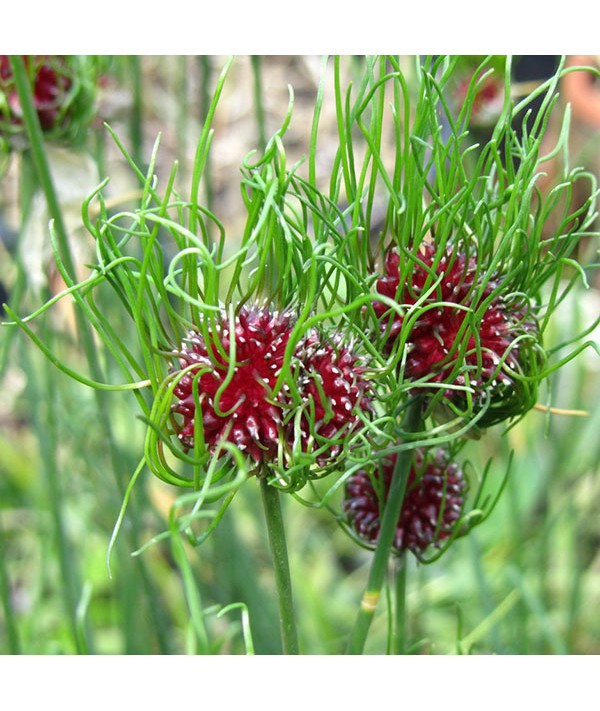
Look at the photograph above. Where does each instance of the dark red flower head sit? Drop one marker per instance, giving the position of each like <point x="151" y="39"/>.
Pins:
<point x="445" y="345"/>
<point x="334" y="390"/>
<point x="231" y="383"/>
<point x="487" y="102"/>
<point x="432" y="504"/>
<point x="234" y="387"/>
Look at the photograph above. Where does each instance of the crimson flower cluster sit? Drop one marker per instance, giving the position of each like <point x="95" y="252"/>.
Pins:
<point x="468" y="333"/>
<point x="432" y="504"/>
<point x="231" y="387"/>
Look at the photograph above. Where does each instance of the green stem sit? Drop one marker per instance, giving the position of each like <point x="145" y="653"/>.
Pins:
<point x="519" y="546"/>
<point x="192" y="593"/>
<point x="399" y="641"/>
<point x="389" y="521"/>
<point x="41" y="389"/>
<point x="275" y="528"/>
<point x="36" y="138"/>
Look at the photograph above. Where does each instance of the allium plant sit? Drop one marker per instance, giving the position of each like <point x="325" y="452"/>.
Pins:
<point x="335" y="346"/>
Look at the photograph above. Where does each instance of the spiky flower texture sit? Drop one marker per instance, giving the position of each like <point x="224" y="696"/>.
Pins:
<point x="334" y="391"/>
<point x="231" y="381"/>
<point x="432" y="504"/>
<point x="469" y="335"/>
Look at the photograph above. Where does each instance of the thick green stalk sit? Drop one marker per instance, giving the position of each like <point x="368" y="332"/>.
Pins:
<point x="283" y="582"/>
<point x="399" y="573"/>
<point x="34" y="131"/>
<point x="391" y="513"/>
<point x="519" y="543"/>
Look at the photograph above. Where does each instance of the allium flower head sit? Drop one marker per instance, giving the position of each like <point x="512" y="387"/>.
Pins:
<point x="236" y="399"/>
<point x="487" y="103"/>
<point x="51" y="84"/>
<point x="63" y="93"/>
<point x="441" y="346"/>
<point x="334" y="389"/>
<point x="432" y="504"/>
<point x="231" y="385"/>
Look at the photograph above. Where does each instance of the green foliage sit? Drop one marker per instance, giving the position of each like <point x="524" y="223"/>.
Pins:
<point x="405" y="170"/>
